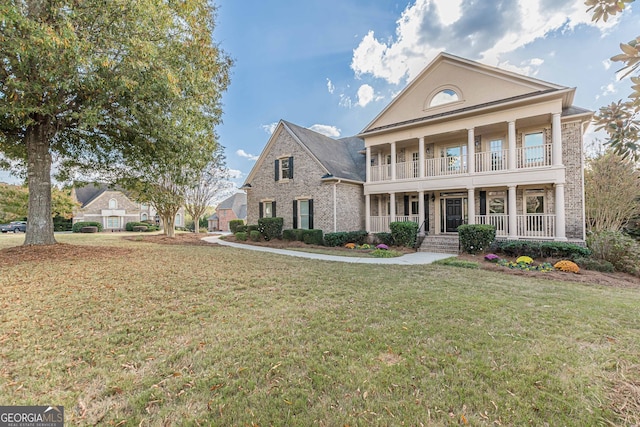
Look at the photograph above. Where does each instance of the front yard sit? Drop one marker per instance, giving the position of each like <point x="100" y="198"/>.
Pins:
<point x="126" y="332"/>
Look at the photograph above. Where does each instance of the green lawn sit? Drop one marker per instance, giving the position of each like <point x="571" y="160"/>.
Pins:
<point x="196" y="335"/>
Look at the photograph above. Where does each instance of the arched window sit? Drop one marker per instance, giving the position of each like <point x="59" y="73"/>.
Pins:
<point x="444" y="97"/>
<point x="113" y="204"/>
<point x="144" y="217"/>
<point x="178" y="219"/>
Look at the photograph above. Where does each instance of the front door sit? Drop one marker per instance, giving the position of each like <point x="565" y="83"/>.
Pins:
<point x="453" y="211"/>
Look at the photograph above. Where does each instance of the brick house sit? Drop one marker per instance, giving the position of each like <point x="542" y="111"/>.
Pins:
<point x="234" y="207"/>
<point x="113" y="208"/>
<point x="465" y="143"/>
<point x="308" y="179"/>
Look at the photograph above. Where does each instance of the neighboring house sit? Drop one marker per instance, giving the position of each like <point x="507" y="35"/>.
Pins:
<point x="213" y="223"/>
<point x="113" y="208"/>
<point x="462" y="143"/>
<point x="308" y="179"/>
<point x="234" y="207"/>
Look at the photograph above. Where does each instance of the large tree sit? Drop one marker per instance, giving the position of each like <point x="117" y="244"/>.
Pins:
<point x="14" y="202"/>
<point x="612" y="192"/>
<point x="621" y="120"/>
<point x="103" y="87"/>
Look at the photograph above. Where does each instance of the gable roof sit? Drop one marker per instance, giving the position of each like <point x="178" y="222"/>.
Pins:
<point x="237" y="203"/>
<point x="479" y="86"/>
<point x="88" y="193"/>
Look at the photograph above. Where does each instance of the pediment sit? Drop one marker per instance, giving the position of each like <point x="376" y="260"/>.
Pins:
<point x="450" y="83"/>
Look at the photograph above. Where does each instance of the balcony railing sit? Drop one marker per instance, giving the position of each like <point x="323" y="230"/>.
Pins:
<point x="451" y="165"/>
<point x="533" y="157"/>
<point x="381" y="173"/>
<point x="492" y="161"/>
<point x="499" y="221"/>
<point x="407" y="170"/>
<point x="536" y="225"/>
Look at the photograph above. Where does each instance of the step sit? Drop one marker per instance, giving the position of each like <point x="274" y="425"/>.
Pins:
<point x="440" y="244"/>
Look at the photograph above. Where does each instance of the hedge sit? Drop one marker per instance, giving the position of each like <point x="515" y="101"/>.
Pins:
<point x="341" y="238"/>
<point x="255" y="235"/>
<point x="310" y="237"/>
<point x="385" y="238"/>
<point x="404" y="233"/>
<point x="516" y="248"/>
<point x="241" y="236"/>
<point x="233" y="225"/>
<point x="78" y="225"/>
<point x="149" y="227"/>
<point x="271" y="228"/>
<point x="476" y="238"/>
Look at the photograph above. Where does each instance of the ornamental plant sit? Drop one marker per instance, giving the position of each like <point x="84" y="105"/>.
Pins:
<point x="524" y="260"/>
<point x="383" y="247"/>
<point x="492" y="257"/>
<point x="566" y="265"/>
<point x="350" y="246"/>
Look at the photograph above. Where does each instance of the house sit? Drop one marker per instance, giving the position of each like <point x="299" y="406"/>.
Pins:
<point x="234" y="207"/>
<point x="308" y="179"/>
<point x="213" y="223"/>
<point x="463" y="143"/>
<point x="113" y="208"/>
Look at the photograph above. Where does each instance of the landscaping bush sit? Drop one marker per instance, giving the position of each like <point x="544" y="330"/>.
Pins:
<point x="384" y="238"/>
<point x="404" y="233"/>
<point x="516" y="248"/>
<point x="384" y="253"/>
<point x="233" y="225"/>
<point x="242" y="228"/>
<point x="139" y="228"/>
<point x="78" y="225"/>
<point x="289" y="235"/>
<point x="589" y="263"/>
<point x="270" y="228"/>
<point x="251" y="228"/>
<point x="241" y="236"/>
<point x="476" y="238"/>
<point x="358" y="237"/>
<point x="340" y="238"/>
<point x="566" y="265"/>
<point x="89" y="229"/>
<point x="255" y="235"/>
<point x="619" y="249"/>
<point x="312" y="237"/>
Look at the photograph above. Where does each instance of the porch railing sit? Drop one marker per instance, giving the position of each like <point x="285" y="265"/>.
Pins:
<point x="533" y="157"/>
<point x="536" y="225"/>
<point x="499" y="221"/>
<point x="379" y="224"/>
<point x="492" y="161"/>
<point x="407" y="170"/>
<point x="381" y="173"/>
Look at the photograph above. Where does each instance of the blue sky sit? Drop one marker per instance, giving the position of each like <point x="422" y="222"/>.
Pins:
<point x="333" y="65"/>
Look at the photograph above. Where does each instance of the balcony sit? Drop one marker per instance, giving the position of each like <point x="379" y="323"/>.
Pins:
<point x="485" y="162"/>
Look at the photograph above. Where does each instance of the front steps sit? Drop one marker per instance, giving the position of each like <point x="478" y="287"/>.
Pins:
<point x="440" y="243"/>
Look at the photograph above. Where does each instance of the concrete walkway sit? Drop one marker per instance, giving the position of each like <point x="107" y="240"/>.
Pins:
<point x="417" y="258"/>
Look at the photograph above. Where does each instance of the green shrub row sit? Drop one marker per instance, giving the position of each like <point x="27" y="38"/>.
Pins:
<point x="589" y="263"/>
<point x="341" y="238"/>
<point x="516" y="248"/>
<point x="404" y="233"/>
<point x="150" y="227"/>
<point x="78" y="225"/>
<point x="476" y="238"/>
<point x="270" y="228"/>
<point x="310" y="237"/>
<point x="234" y="224"/>
<point x="385" y="238"/>
<point x="254" y="235"/>
<point x="241" y="235"/>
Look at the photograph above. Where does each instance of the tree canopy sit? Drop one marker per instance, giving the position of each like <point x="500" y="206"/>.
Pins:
<point x="104" y="88"/>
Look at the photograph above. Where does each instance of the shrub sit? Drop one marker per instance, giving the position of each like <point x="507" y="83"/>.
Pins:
<point x="525" y="260"/>
<point x="517" y="248"/>
<point x="404" y="233"/>
<point x="89" y="229"/>
<point x="252" y="227"/>
<point x="385" y="238"/>
<point x="289" y="235"/>
<point x="241" y="228"/>
<point x="492" y="257"/>
<point x="233" y="225"/>
<point x="620" y="250"/>
<point x="78" y="225"/>
<point x="350" y="246"/>
<point x="130" y="225"/>
<point x="382" y="253"/>
<point x="566" y="265"/>
<point x="476" y="238"/>
<point x="139" y="228"/>
<point x="358" y="237"/>
<point x="255" y="235"/>
<point x="382" y="246"/>
<point x="340" y="238"/>
<point x="312" y="237"/>
<point x="595" y="264"/>
<point x="241" y="235"/>
<point x="270" y="228"/>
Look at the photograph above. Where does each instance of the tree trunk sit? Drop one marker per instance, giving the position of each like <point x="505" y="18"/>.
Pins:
<point x="39" y="220"/>
<point x="169" y="225"/>
<point x="196" y="225"/>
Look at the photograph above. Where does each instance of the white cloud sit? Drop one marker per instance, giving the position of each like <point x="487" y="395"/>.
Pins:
<point x="330" y="131"/>
<point x="246" y="155"/>
<point x="486" y="31"/>
<point x="235" y="174"/>
<point x="527" y="68"/>
<point x="365" y="95"/>
<point x="330" y="86"/>
<point x="345" y="101"/>
<point x="270" y="128"/>
<point x="606" y="64"/>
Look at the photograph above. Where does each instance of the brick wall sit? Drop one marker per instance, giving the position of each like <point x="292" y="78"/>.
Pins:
<point x="572" y="157"/>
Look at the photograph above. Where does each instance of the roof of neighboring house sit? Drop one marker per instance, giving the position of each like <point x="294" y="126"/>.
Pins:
<point x="213" y="217"/>
<point x="237" y="203"/>
<point x="90" y="192"/>
<point x="341" y="157"/>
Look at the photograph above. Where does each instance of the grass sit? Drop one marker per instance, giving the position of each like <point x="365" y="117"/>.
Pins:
<point x="455" y="262"/>
<point x="197" y="335"/>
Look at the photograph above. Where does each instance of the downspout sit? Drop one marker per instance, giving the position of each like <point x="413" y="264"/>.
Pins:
<point x="335" y="206"/>
<point x="584" y="206"/>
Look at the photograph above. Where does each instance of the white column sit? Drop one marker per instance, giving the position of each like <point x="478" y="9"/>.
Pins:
<point x="393" y="161"/>
<point x="421" y="211"/>
<point x="367" y="212"/>
<point x="368" y="165"/>
<point x="560" y="214"/>
<point x="421" y="157"/>
<point x="471" y="205"/>
<point x="513" y="211"/>
<point x="471" y="151"/>
<point x="512" y="145"/>
<point x="556" y="140"/>
<point x="392" y="207"/>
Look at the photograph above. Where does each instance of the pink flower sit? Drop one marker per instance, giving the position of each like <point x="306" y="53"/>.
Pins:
<point x="382" y="246"/>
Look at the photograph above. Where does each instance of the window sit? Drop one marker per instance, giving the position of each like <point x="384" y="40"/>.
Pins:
<point x="144" y="217"/>
<point x="179" y="220"/>
<point x="534" y="203"/>
<point x="267" y="209"/>
<point x="113" y="204"/>
<point x="444" y="97"/>
<point x="144" y="206"/>
<point x="533" y="148"/>
<point x="303" y="214"/>
<point x="284" y="168"/>
<point x="456" y="158"/>
<point x="113" y="221"/>
<point x="497" y="158"/>
<point x="496" y="205"/>
<point x="416" y="164"/>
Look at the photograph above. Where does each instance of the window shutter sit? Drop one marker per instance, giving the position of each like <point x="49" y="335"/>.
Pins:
<point x="483" y="203"/>
<point x="260" y="210"/>
<point x="295" y="214"/>
<point x="290" y="167"/>
<point x="426" y="212"/>
<point x="311" y="214"/>
<point x="406" y="205"/>
<point x="277" y="170"/>
<point x="273" y="209"/>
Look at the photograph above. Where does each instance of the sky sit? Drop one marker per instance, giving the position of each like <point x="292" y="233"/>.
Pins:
<point x="333" y="65"/>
